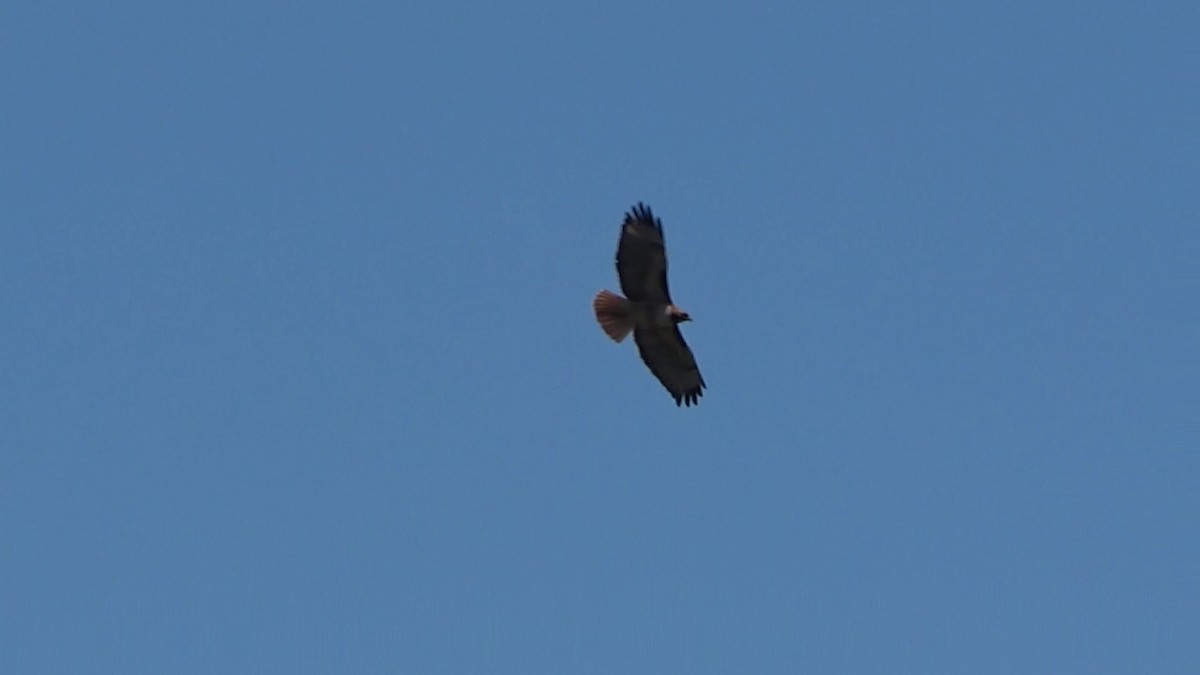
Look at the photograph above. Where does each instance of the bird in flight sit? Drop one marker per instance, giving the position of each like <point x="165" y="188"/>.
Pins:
<point x="647" y="310"/>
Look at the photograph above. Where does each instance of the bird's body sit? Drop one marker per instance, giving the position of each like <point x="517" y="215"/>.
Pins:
<point x="647" y="310"/>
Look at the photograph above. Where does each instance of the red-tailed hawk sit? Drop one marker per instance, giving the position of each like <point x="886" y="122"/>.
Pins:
<point x="647" y="309"/>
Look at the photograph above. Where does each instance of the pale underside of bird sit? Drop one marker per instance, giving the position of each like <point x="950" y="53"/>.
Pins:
<point x="647" y="310"/>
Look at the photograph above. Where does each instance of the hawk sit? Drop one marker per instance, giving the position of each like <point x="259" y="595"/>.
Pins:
<point x="647" y="310"/>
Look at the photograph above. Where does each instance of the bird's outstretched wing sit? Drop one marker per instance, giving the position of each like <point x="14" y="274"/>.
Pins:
<point x="669" y="358"/>
<point x="642" y="257"/>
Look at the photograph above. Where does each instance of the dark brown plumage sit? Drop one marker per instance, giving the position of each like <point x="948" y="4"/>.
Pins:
<point x="647" y="310"/>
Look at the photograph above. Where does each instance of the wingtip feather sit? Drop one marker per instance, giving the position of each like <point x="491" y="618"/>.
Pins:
<point x="642" y="212"/>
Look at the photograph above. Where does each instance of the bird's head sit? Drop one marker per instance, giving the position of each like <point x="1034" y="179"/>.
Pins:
<point x="677" y="315"/>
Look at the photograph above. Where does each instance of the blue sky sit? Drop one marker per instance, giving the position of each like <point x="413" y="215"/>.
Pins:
<point x="300" y="375"/>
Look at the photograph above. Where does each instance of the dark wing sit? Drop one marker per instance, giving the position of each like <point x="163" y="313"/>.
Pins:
<point x="642" y="257"/>
<point x="668" y="357"/>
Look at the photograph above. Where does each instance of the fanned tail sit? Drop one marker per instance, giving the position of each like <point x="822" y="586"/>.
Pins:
<point x="612" y="312"/>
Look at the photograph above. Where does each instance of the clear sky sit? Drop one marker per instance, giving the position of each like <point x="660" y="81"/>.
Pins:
<point x="299" y="373"/>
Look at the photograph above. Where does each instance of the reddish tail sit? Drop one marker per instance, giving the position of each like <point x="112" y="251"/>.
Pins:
<point x="612" y="311"/>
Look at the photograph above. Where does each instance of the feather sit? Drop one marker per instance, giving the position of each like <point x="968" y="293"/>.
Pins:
<point x="613" y="314"/>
